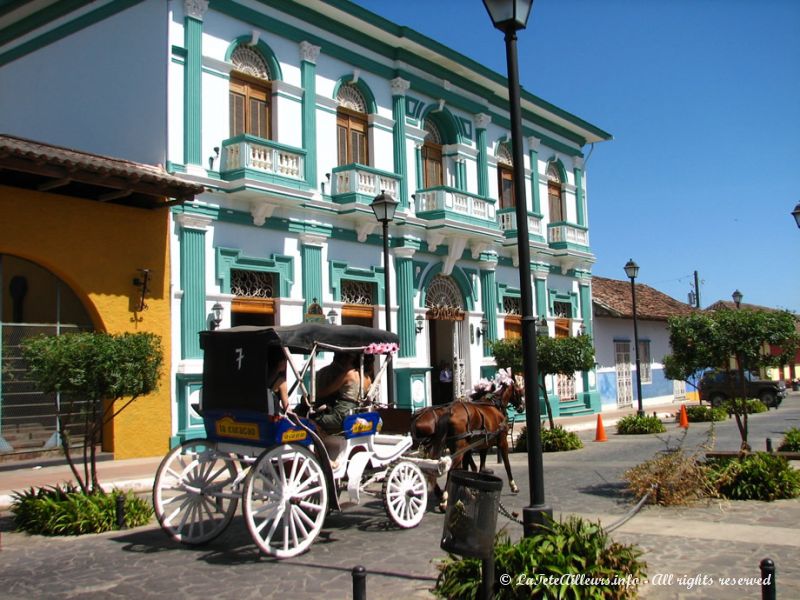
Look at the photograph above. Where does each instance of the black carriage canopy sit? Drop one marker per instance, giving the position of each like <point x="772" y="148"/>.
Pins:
<point x="236" y="361"/>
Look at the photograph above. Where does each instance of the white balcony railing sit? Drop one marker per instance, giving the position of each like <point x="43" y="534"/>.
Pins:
<point x="508" y="222"/>
<point x="264" y="157"/>
<point x="455" y="202"/>
<point x="358" y="179"/>
<point x="563" y="233"/>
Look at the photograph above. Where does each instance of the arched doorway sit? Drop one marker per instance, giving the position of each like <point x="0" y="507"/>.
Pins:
<point x="447" y="339"/>
<point x="33" y="301"/>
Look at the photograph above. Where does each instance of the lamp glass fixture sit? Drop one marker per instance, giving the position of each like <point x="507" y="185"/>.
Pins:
<point x="507" y="14"/>
<point x="796" y="214"/>
<point x="384" y="207"/>
<point x="631" y="269"/>
<point x="418" y="321"/>
<point x="332" y="316"/>
<point x="541" y="327"/>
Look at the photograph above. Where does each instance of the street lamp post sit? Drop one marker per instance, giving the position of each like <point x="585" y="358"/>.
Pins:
<point x="509" y="16"/>
<point x="737" y="298"/>
<point x="796" y="213"/>
<point x="632" y="270"/>
<point x="384" y="207"/>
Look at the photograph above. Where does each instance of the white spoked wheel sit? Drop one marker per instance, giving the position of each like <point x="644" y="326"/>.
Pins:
<point x="285" y="500"/>
<point x="405" y="494"/>
<point x="192" y="494"/>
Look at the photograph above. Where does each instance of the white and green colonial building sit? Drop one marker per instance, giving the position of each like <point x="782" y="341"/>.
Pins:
<point x="294" y="115"/>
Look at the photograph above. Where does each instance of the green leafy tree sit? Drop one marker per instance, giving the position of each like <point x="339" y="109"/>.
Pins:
<point x="712" y="340"/>
<point x="92" y="372"/>
<point x="555" y="356"/>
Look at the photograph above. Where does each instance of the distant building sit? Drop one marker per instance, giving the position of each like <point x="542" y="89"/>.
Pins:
<point x="614" y="343"/>
<point x="788" y="373"/>
<point x="294" y="116"/>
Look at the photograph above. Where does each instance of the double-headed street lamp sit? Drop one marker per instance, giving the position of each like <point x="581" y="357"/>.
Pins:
<point x="509" y="16"/>
<point x="632" y="270"/>
<point x="384" y="207"/>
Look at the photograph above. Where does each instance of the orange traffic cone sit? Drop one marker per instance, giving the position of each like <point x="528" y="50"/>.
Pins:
<point x="683" y="419"/>
<point x="600" y="436"/>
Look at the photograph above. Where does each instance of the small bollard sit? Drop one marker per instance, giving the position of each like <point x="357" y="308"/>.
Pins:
<point x="769" y="445"/>
<point x="768" y="588"/>
<point x="120" y="509"/>
<point x="359" y="583"/>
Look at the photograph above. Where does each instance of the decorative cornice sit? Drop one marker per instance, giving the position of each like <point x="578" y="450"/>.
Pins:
<point x="533" y="143"/>
<point x="311" y="239"/>
<point x="577" y="162"/>
<point x="193" y="221"/>
<point x="309" y="52"/>
<point x="196" y="9"/>
<point x="400" y="86"/>
<point x="482" y="120"/>
<point x="404" y="252"/>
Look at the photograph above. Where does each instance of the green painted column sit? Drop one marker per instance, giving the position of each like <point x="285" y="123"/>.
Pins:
<point x="399" y="88"/>
<point x="193" y="89"/>
<point x="420" y="175"/>
<point x="585" y="296"/>
<point x="308" y="79"/>
<point x="192" y="239"/>
<point x="404" y="284"/>
<point x="489" y="302"/>
<point x="481" y="122"/>
<point x="311" y="265"/>
<point x="533" y="145"/>
<point x="540" y="291"/>
<point x="579" y="202"/>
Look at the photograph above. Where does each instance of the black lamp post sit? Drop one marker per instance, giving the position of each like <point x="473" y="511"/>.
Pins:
<point x="632" y="270"/>
<point x="796" y="213"/>
<point x="509" y="16"/>
<point x="737" y="298"/>
<point x="384" y="207"/>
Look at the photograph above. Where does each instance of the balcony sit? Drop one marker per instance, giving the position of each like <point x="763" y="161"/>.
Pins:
<point x="451" y="204"/>
<point x="564" y="236"/>
<point x="359" y="184"/>
<point x="507" y="219"/>
<point x="249" y="157"/>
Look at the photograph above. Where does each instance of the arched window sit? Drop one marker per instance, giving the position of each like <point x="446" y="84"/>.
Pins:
<point x="505" y="176"/>
<point x="555" y="195"/>
<point x="351" y="126"/>
<point x="250" y="93"/>
<point x="432" y="156"/>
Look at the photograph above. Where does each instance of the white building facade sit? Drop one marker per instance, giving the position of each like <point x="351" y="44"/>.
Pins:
<point x="294" y="116"/>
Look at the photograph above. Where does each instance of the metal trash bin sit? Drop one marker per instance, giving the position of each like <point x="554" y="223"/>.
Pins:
<point x="471" y="516"/>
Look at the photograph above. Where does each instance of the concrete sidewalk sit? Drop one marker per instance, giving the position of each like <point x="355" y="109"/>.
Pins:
<point x="137" y="474"/>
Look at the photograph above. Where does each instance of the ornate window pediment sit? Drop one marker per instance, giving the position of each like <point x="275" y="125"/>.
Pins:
<point x="349" y="96"/>
<point x="250" y="62"/>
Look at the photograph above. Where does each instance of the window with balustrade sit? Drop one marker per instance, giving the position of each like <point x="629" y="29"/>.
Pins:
<point x="505" y="176"/>
<point x="555" y="194"/>
<point x="358" y="299"/>
<point x="253" y="302"/>
<point x="250" y="94"/>
<point x="351" y="126"/>
<point x="432" y="168"/>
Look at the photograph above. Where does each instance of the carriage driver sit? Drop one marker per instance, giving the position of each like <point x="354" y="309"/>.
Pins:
<point x="277" y="389"/>
<point x="339" y="388"/>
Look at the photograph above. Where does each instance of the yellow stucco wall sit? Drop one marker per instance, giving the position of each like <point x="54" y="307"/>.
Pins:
<point x="96" y="249"/>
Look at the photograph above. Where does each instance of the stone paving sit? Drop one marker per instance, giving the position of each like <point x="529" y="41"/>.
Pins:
<point x="715" y="541"/>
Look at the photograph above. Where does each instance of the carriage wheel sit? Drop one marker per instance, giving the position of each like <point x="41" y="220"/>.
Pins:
<point x="189" y="495"/>
<point x="285" y="500"/>
<point x="405" y="494"/>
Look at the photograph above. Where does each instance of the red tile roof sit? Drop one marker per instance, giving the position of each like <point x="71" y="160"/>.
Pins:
<point x="612" y="298"/>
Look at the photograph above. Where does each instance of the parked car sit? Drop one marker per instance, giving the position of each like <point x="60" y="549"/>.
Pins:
<point x="718" y="386"/>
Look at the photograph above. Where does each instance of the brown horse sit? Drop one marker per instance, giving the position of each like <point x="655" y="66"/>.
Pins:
<point x="484" y="422"/>
<point x="429" y="427"/>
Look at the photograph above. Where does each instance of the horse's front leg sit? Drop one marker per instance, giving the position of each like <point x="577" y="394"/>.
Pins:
<point x="503" y="445"/>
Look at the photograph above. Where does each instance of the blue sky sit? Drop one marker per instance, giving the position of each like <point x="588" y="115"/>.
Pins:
<point x="703" y="100"/>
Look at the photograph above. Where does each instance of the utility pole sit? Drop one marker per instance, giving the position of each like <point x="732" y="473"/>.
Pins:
<point x="696" y="290"/>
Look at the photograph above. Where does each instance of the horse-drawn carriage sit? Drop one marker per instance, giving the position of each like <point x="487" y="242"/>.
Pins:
<point x="277" y="464"/>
